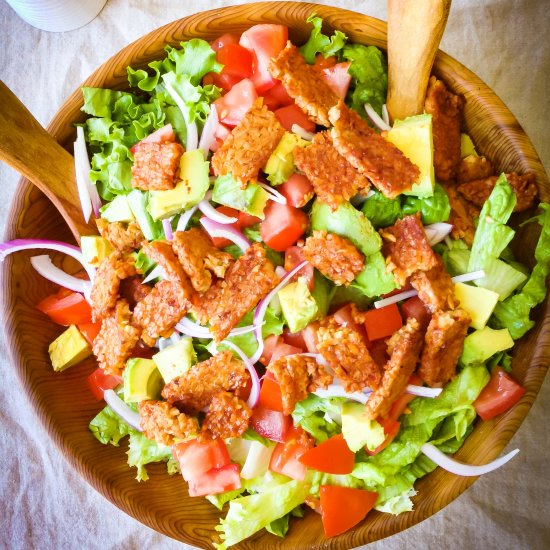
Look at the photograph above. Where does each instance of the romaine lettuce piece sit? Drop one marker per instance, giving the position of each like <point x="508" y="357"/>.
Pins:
<point x="433" y="209"/>
<point x="382" y="211"/>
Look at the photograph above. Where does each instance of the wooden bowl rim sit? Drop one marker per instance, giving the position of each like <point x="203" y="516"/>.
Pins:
<point x="502" y="429"/>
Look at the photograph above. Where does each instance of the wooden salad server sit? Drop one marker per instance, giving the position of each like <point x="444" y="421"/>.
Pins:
<point x="28" y="148"/>
<point x="415" y="29"/>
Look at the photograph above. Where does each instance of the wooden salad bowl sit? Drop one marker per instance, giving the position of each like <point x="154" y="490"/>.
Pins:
<point x="64" y="403"/>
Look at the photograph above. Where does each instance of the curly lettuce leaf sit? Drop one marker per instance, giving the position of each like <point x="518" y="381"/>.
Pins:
<point x="311" y="414"/>
<point x="108" y="427"/>
<point x="433" y="209"/>
<point x="382" y="211"/>
<point x="321" y="43"/>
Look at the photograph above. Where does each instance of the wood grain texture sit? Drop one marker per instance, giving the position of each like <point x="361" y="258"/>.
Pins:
<point x="62" y="401"/>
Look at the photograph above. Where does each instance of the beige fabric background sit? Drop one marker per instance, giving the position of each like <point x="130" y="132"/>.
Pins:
<point x="46" y="505"/>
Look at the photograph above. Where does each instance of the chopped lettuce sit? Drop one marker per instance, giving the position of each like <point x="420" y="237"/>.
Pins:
<point x="433" y="209"/>
<point x="138" y="201"/>
<point x="382" y="211"/>
<point x="321" y="43"/>
<point x="311" y="414"/>
<point x="108" y="427"/>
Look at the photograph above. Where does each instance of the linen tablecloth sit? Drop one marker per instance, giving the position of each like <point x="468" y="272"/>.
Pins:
<point x="45" y="504"/>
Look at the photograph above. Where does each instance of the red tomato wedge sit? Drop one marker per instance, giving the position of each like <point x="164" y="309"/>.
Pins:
<point x="383" y="322"/>
<point x="292" y="114"/>
<point x="221" y="242"/>
<point x="236" y="61"/>
<point x="271" y="424"/>
<point x="66" y="308"/>
<point x="294" y="339"/>
<point x="198" y="457"/>
<point x="221" y="134"/>
<point x="379" y="351"/>
<point x="332" y="456"/>
<point x="270" y="394"/>
<point x="232" y="106"/>
<point x="89" y="331"/>
<point x="217" y="480"/>
<point x="98" y="382"/>
<point x="344" y="317"/>
<point x="246" y="220"/>
<point x="283" y="226"/>
<point x="344" y="507"/>
<point x="265" y="41"/>
<point x="224" y="40"/>
<point x="297" y="190"/>
<point x="391" y="429"/>
<point x="338" y="78"/>
<point x="415" y="307"/>
<point x="162" y="135"/>
<point x="295" y="255"/>
<point x="286" y="456"/>
<point x="282" y="350"/>
<point x="277" y="97"/>
<point x="500" y="394"/>
<point x="309" y="334"/>
<point x="270" y="343"/>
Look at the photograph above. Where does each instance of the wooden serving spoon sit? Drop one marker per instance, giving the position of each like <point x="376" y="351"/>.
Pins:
<point x="415" y="29"/>
<point x="35" y="154"/>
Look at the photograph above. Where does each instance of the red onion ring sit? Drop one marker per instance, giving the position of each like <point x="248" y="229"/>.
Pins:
<point x="185" y="217"/>
<point x="385" y="114"/>
<point x="48" y="270"/>
<point x="255" y="390"/>
<point x="210" y="212"/>
<point x="192" y="137"/>
<point x="274" y="195"/>
<point x="436" y="232"/>
<point x="299" y="131"/>
<point x="421" y="391"/>
<point x="215" y="229"/>
<point x="87" y="191"/>
<point x="208" y="135"/>
<point x="167" y="227"/>
<point x="376" y="120"/>
<point x="129" y="416"/>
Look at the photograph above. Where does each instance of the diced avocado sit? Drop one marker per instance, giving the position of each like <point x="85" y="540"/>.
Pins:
<point x="188" y="192"/>
<point x="477" y="302"/>
<point x="138" y="201"/>
<point x="68" y="349"/>
<point x="322" y="293"/>
<point x="347" y="222"/>
<point x="176" y="359"/>
<point x="467" y="146"/>
<point x="280" y="165"/>
<point x="142" y="380"/>
<point x="94" y="249"/>
<point x="118" y="210"/>
<point x="482" y="344"/>
<point x="251" y="200"/>
<point x="413" y="137"/>
<point x="358" y="429"/>
<point x="298" y="305"/>
<point x="374" y="280"/>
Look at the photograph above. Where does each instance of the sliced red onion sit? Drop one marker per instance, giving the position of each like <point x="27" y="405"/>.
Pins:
<point x="299" y="131"/>
<point x="167" y="226"/>
<point x="436" y="232"/>
<point x="215" y="229"/>
<point x="280" y="271"/>
<point x="210" y="212"/>
<point x="261" y="309"/>
<point x="81" y="186"/>
<point x="421" y="391"/>
<point x="385" y="114"/>
<point x="317" y="356"/>
<point x="129" y="416"/>
<point x="336" y="390"/>
<point x="257" y="460"/>
<point x="255" y="390"/>
<point x="461" y="469"/>
<point x="472" y="276"/>
<point x="18" y="245"/>
<point x="192" y="133"/>
<point x="185" y="217"/>
<point x="189" y="328"/>
<point x="163" y="343"/>
<point x="48" y="270"/>
<point x="156" y="273"/>
<point x="274" y="195"/>
<point x="82" y="167"/>
<point x="359" y="199"/>
<point x="376" y="120"/>
<point x="208" y="135"/>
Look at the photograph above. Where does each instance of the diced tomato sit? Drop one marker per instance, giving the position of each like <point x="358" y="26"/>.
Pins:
<point x="415" y="307"/>
<point x="246" y="220"/>
<point x="297" y="190"/>
<point x="236" y="60"/>
<point x="283" y="225"/>
<point x="309" y="334"/>
<point x="271" y="424"/>
<point x="224" y="40"/>
<point x="378" y="350"/>
<point x="221" y="80"/>
<point x="232" y="106"/>
<point x="221" y="242"/>
<point x="222" y="131"/>
<point x="294" y="339"/>
<point x="98" y="382"/>
<point x="322" y="62"/>
<point x="198" y="457"/>
<point x="382" y="322"/>
<point x="215" y="481"/>
<point x="344" y="507"/>
<point x="270" y="394"/>
<point x="286" y="456"/>
<point x="331" y="456"/>
<point x="89" y="331"/>
<point x="270" y="343"/>
<point x="143" y="351"/>
<point x="66" y="308"/>
<point x="277" y="97"/>
<point x="295" y="255"/>
<point x="400" y="405"/>
<point x="344" y="317"/>
<point x="500" y="394"/>
<point x="282" y="350"/>
<point x="162" y="135"/>
<point x="265" y="41"/>
<point x="391" y="429"/>
<point x="292" y="114"/>
<point x="338" y="78"/>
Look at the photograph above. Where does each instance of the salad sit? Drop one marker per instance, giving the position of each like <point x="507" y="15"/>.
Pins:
<point x="293" y="303"/>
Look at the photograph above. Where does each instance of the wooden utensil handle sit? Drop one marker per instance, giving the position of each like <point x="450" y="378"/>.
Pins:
<point x="415" y="29"/>
<point x="35" y="154"/>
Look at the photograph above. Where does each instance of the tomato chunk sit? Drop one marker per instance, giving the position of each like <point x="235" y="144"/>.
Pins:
<point x="277" y="97"/>
<point x="391" y="429"/>
<point x="382" y="322"/>
<point x="295" y="255"/>
<point x="89" y="331"/>
<point x="270" y="343"/>
<point x="232" y="106"/>
<point x="286" y="456"/>
<point x="162" y="135"/>
<point x="500" y="394"/>
<point x="331" y="456"/>
<point x="309" y="334"/>
<point x="217" y="480"/>
<point x="270" y="395"/>
<point x="344" y="507"/>
<point x="198" y="457"/>
<point x="294" y="339"/>
<point x="297" y="190"/>
<point x="98" y="382"/>
<point x="236" y="60"/>
<point x="66" y="308"/>
<point x="292" y="114"/>
<point x="222" y="242"/>
<point x="224" y="40"/>
<point x="271" y="424"/>
<point x="247" y="220"/>
<point x="415" y="307"/>
<point x="283" y="226"/>
<point x="337" y="78"/>
<point x="282" y="350"/>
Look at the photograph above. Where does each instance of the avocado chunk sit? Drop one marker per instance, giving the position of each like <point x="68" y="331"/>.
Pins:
<point x="484" y="343"/>
<point x="142" y="380"/>
<point x="280" y="165"/>
<point x="251" y="200"/>
<point x="176" y="359"/>
<point x="188" y="192"/>
<point x="467" y="146"/>
<point x="358" y="429"/>
<point x="477" y="302"/>
<point x="94" y="249"/>
<point x="68" y="349"/>
<point x="347" y="222"/>
<point x="322" y="293"/>
<point x="413" y="137"/>
<point x="298" y="305"/>
<point x="374" y="280"/>
<point x="118" y="210"/>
